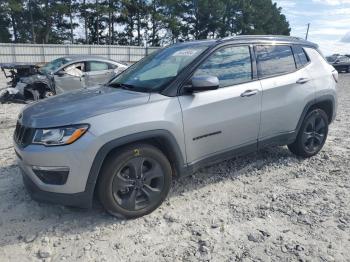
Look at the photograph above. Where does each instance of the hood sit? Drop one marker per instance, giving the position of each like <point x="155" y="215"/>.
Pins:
<point x="76" y="106"/>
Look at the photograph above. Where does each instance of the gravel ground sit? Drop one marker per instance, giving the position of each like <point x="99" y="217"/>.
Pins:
<point x="269" y="206"/>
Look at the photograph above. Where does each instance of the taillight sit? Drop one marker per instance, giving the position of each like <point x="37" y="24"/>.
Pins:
<point x="335" y="75"/>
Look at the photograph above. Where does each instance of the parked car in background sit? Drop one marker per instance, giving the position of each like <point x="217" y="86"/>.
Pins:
<point x="61" y="75"/>
<point x="177" y="110"/>
<point x="340" y="62"/>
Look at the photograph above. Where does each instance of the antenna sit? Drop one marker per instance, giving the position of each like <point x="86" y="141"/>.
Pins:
<point x="307" y="31"/>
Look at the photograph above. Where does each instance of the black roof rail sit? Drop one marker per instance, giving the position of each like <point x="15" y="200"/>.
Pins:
<point x="280" y="38"/>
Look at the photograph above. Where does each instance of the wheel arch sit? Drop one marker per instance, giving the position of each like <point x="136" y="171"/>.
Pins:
<point x="162" y="139"/>
<point x="326" y="103"/>
<point x="39" y="86"/>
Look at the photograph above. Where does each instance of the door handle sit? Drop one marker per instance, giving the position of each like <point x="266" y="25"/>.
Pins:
<point x="302" y="81"/>
<point x="248" y="93"/>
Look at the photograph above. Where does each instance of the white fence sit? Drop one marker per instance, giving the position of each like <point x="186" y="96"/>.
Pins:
<point x="33" y="53"/>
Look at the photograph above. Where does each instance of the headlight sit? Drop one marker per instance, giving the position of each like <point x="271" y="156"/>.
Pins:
<point x="59" y="136"/>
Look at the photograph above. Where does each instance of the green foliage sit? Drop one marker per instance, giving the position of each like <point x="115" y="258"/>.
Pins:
<point x="136" y="22"/>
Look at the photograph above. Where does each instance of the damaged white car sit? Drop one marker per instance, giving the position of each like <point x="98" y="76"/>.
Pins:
<point x="58" y="76"/>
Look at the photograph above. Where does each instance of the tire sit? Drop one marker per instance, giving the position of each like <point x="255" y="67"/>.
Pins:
<point x="312" y="134"/>
<point x="134" y="181"/>
<point x="348" y="70"/>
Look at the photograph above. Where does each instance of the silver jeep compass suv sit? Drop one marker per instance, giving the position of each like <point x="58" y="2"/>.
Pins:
<point x="180" y="108"/>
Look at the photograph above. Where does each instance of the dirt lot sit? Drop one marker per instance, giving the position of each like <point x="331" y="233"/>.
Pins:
<point x="269" y="206"/>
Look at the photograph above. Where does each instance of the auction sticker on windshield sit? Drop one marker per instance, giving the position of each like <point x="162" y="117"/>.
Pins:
<point x="185" y="52"/>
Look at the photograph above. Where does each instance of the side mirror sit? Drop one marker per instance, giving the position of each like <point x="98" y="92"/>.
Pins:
<point x="203" y="83"/>
<point x="60" y="73"/>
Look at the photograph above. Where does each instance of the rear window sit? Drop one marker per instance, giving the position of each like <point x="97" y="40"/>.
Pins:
<point x="301" y="58"/>
<point x="97" y="66"/>
<point x="274" y="60"/>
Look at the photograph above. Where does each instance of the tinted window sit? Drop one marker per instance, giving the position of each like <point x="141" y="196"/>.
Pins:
<point x="97" y="66"/>
<point x="344" y="59"/>
<point x="274" y="60"/>
<point x="231" y="65"/>
<point x="301" y="58"/>
<point x="331" y="59"/>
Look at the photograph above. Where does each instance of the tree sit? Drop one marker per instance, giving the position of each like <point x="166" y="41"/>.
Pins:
<point x="137" y="22"/>
<point x="155" y="18"/>
<point x="5" y="23"/>
<point x="262" y="17"/>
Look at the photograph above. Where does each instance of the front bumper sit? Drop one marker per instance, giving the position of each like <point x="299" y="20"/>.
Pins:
<point x="77" y="157"/>
<point x="83" y="199"/>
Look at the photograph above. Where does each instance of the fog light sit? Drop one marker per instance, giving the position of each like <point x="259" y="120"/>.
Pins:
<point x="51" y="175"/>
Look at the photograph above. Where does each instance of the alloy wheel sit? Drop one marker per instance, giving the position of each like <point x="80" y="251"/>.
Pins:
<point x="314" y="133"/>
<point x="138" y="183"/>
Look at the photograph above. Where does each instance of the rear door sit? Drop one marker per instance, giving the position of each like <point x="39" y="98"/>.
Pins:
<point x="98" y="72"/>
<point x="227" y="118"/>
<point x="286" y="88"/>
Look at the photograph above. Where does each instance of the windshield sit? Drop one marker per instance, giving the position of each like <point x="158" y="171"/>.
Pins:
<point x="331" y="59"/>
<point x="53" y="65"/>
<point x="157" y="70"/>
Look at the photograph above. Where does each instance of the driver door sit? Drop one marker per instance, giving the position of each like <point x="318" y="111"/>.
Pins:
<point x="227" y="118"/>
<point x="69" y="78"/>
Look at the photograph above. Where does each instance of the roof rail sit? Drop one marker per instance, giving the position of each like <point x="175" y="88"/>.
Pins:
<point x="237" y="37"/>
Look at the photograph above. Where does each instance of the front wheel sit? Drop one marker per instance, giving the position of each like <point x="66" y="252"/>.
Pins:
<point x="134" y="181"/>
<point x="312" y="134"/>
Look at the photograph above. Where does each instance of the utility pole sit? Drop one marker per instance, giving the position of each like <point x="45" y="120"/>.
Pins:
<point x="307" y="31"/>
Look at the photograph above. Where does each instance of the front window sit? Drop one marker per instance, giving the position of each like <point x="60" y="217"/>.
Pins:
<point x="156" y="71"/>
<point x="53" y="65"/>
<point x="231" y="65"/>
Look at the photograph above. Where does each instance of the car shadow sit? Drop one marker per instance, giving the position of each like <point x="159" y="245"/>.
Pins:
<point x="23" y="218"/>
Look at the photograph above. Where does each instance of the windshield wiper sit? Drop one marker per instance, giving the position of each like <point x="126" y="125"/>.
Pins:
<point x="121" y="85"/>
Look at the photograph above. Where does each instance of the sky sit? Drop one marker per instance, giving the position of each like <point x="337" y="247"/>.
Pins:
<point x="329" y="22"/>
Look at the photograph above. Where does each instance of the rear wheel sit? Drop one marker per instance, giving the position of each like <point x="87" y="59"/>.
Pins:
<point x="312" y="134"/>
<point x="134" y="181"/>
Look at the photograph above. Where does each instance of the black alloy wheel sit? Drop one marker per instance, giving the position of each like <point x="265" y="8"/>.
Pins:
<point x="312" y="134"/>
<point x="134" y="181"/>
<point x="138" y="183"/>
